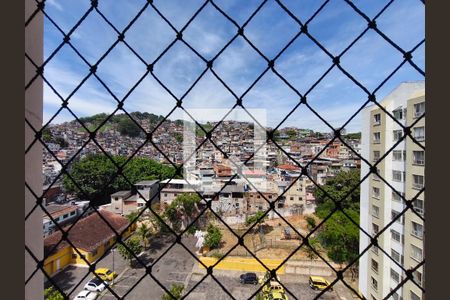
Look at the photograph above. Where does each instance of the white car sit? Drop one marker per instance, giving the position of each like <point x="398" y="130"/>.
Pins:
<point x="86" y="295"/>
<point x="95" y="285"/>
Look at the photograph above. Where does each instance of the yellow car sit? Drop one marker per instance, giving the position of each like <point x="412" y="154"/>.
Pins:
<point x="275" y="295"/>
<point x="106" y="274"/>
<point x="319" y="283"/>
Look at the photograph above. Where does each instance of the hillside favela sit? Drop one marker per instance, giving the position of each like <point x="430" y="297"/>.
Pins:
<point x="213" y="150"/>
<point x="222" y="191"/>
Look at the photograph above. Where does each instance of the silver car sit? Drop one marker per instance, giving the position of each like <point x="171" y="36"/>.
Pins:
<point x="86" y="295"/>
<point x="95" y="285"/>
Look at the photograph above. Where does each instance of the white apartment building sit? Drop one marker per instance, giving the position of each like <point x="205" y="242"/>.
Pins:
<point x="403" y="168"/>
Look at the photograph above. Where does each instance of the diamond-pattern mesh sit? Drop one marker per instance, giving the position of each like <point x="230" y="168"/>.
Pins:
<point x="302" y="30"/>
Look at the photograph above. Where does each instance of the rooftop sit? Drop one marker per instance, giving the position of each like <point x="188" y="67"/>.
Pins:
<point x="147" y="182"/>
<point x="88" y="233"/>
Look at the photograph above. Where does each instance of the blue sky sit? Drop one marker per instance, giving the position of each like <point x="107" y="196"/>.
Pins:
<point x="336" y="98"/>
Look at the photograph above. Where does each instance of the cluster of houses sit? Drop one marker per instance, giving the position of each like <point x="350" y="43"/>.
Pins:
<point x="238" y="184"/>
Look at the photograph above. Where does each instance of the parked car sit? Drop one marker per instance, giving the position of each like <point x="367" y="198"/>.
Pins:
<point x="248" y="278"/>
<point x="319" y="283"/>
<point x="86" y="295"/>
<point x="275" y="295"/>
<point x="272" y="286"/>
<point x="106" y="274"/>
<point x="95" y="285"/>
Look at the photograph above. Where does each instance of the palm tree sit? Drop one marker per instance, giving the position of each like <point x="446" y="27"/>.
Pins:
<point x="143" y="232"/>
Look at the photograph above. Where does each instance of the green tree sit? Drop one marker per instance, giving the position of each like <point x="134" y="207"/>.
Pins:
<point x="135" y="247"/>
<point x="94" y="171"/>
<point x="311" y="222"/>
<point x="144" y="232"/>
<point x="183" y="207"/>
<point x="340" y="237"/>
<point x="175" y="292"/>
<point x="338" y="187"/>
<point x="249" y="221"/>
<point x="132" y="216"/>
<point x="178" y="137"/>
<point x="52" y="294"/>
<point x="128" y="127"/>
<point x="213" y="237"/>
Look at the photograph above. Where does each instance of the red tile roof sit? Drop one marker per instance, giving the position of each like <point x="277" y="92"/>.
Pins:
<point x="88" y="233"/>
<point x="288" y="167"/>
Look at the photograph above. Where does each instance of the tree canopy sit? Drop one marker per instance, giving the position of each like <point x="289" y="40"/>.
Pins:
<point x="135" y="247"/>
<point x="128" y="127"/>
<point x="338" y="187"/>
<point x="213" y="237"/>
<point x="340" y="237"/>
<point x="184" y="206"/>
<point x="94" y="171"/>
<point x="52" y="294"/>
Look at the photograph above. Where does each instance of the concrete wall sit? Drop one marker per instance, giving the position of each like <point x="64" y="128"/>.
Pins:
<point x="33" y="159"/>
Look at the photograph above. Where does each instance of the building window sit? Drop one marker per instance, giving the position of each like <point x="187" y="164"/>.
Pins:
<point x="394" y="215"/>
<point x="418" y="206"/>
<point x="419" y="133"/>
<point x="376" y="138"/>
<point x="419" y="158"/>
<point x="375" y="211"/>
<point x="396" y="176"/>
<point x="140" y="204"/>
<point x="375" y="249"/>
<point x="397" y="134"/>
<point x="417" y="230"/>
<point x="72" y="213"/>
<point x="376" y="156"/>
<point x="65" y="216"/>
<point x="94" y="253"/>
<point x="395" y="255"/>
<point x="395" y="235"/>
<point x="397" y="155"/>
<point x="395" y="296"/>
<point x="374" y="265"/>
<point x="74" y="256"/>
<point x="416" y="253"/>
<point x="398" y="114"/>
<point x="374" y="284"/>
<point x="418" y="182"/>
<point x="414" y="296"/>
<point x="291" y="198"/>
<point x="397" y="197"/>
<point x="375" y="229"/>
<point x="395" y="276"/>
<point x="376" y="119"/>
<point x="419" y="109"/>
<point x="417" y="277"/>
<point x="376" y="192"/>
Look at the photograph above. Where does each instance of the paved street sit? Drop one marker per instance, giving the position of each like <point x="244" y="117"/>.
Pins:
<point x="178" y="266"/>
<point x="210" y="289"/>
<point x="174" y="267"/>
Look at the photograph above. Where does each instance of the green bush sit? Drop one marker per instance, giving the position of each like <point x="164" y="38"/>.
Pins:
<point x="176" y="290"/>
<point x="213" y="237"/>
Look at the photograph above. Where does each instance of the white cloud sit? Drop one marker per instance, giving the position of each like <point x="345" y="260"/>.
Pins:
<point x="238" y="66"/>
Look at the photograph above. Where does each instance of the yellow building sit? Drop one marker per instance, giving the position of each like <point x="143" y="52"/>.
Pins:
<point x="91" y="238"/>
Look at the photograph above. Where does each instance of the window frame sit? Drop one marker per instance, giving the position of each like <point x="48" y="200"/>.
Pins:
<point x="417" y="137"/>
<point x="418" y="112"/>
<point x="418" y="162"/>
